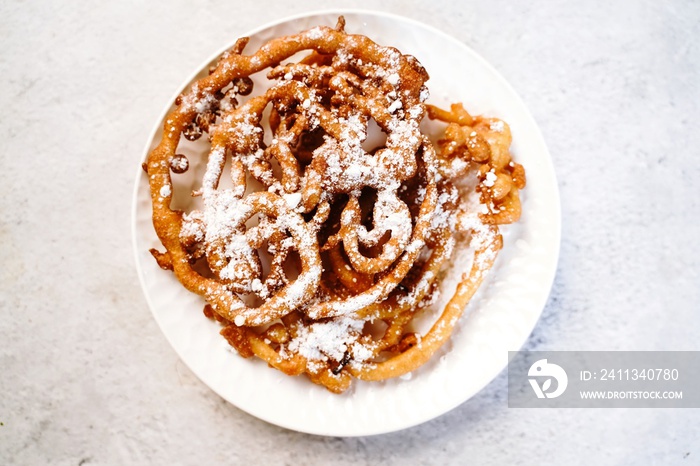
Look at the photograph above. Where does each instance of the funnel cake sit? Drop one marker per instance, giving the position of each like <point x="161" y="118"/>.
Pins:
<point x="327" y="216"/>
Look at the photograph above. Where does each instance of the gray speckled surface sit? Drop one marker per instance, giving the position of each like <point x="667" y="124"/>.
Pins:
<point x="86" y="376"/>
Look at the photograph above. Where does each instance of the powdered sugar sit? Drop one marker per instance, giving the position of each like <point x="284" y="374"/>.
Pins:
<point x="315" y="33"/>
<point x="326" y="340"/>
<point x="490" y="178"/>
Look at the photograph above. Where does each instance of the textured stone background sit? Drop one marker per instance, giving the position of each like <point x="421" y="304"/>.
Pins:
<point x="86" y="377"/>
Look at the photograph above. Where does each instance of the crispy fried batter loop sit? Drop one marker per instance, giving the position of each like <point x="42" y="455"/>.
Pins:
<point x="326" y="218"/>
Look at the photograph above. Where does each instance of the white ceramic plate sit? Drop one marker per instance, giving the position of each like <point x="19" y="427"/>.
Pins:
<point x="499" y="319"/>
